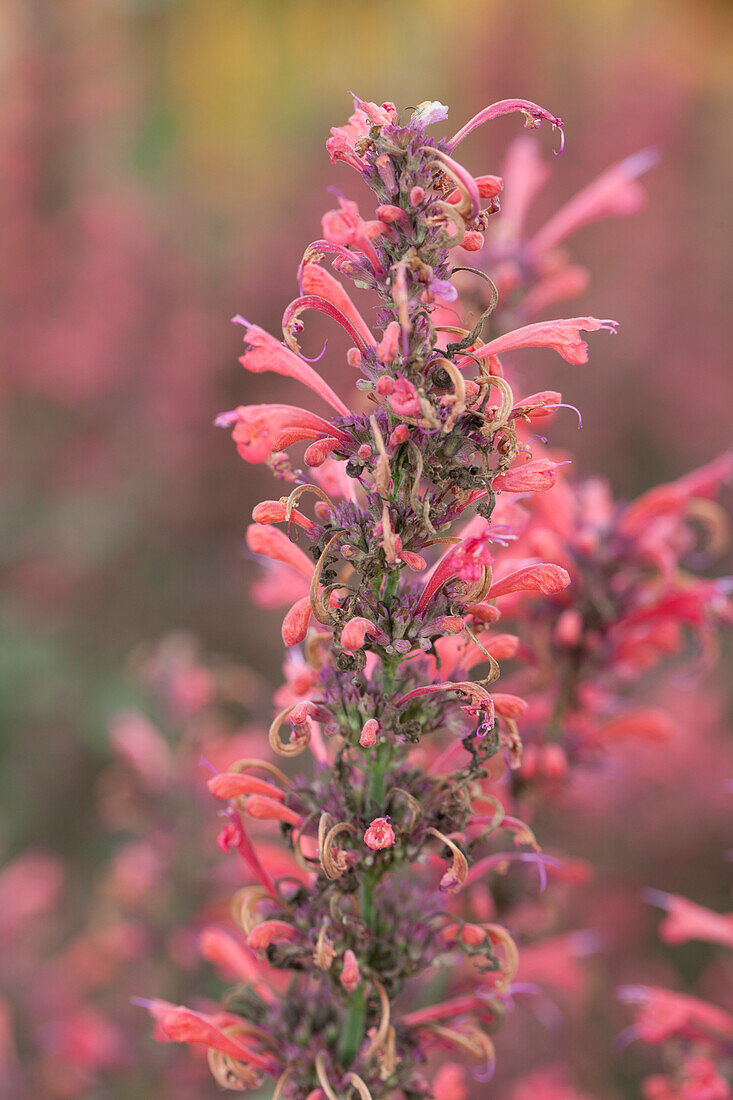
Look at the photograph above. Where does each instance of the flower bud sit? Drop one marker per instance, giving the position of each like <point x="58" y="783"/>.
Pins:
<point x="380" y="834"/>
<point x="350" y="974"/>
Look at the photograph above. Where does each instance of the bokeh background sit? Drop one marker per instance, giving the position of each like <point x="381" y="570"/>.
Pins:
<point x="162" y="167"/>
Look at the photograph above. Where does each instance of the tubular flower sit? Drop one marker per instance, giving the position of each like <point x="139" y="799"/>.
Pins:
<point x="405" y="546"/>
<point x="562" y="336"/>
<point x="696" y="1034"/>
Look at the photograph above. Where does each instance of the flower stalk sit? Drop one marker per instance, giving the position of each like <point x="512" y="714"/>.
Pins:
<point x="421" y="538"/>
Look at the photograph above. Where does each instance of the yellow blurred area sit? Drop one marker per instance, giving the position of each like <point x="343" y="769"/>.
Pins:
<point x="254" y="80"/>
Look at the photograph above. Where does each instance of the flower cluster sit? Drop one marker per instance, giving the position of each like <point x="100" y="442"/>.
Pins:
<point x="424" y="533"/>
<point x="697" y="1036"/>
<point x="69" y="970"/>
<point x="632" y="603"/>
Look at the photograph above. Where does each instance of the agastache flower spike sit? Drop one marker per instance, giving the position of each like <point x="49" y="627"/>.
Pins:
<point x="405" y="809"/>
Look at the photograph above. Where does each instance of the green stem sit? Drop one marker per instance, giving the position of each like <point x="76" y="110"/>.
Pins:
<point x="353" y="1033"/>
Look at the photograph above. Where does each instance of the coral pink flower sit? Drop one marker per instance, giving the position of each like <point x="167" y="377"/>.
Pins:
<point x="341" y="145"/>
<point x="265" y="353"/>
<point x="687" y="921"/>
<point x="617" y="192"/>
<point x="534" y="115"/>
<point x="295" y="623"/>
<point x="275" y="511"/>
<point x="182" y="1025"/>
<point x="261" y="429"/>
<point x="137" y="741"/>
<point x="228" y="785"/>
<point x="272" y="543"/>
<point x="345" y="227"/>
<point x="450" y="1082"/>
<point x="466" y="563"/>
<point x="356" y="631"/>
<point x="270" y="809"/>
<point x="562" y="336"/>
<point x="663" y="1014"/>
<point x="368" y="736"/>
<point x="390" y="343"/>
<point x="546" y="579"/>
<point x="403" y="398"/>
<point x="350" y="973"/>
<point x="225" y="952"/>
<point x="269" y="932"/>
<point x="380" y="834"/>
<point x="535" y="476"/>
<point x="315" y="280"/>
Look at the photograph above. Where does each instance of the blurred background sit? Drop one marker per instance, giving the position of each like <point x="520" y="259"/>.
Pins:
<point x="162" y="167"/>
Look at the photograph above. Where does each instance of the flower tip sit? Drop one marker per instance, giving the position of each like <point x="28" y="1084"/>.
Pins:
<point x="238" y="319"/>
<point x="639" y="163"/>
<point x="429" y="112"/>
<point x="203" y="762"/>
<point x="659" y="898"/>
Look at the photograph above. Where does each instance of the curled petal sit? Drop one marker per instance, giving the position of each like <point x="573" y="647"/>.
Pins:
<point x="455" y="876"/>
<point x="534" y="114"/>
<point x="291" y="322"/>
<point x="466" y="562"/>
<point x="265" y="353"/>
<point x="468" y="204"/>
<point x="231" y="1073"/>
<point x="300" y="737"/>
<point x="316" y="280"/>
<point x="334" y="861"/>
